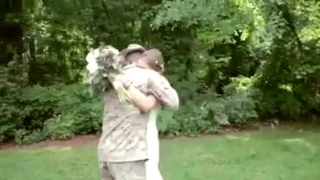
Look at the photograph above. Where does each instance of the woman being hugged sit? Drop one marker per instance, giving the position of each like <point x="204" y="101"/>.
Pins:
<point x="165" y="96"/>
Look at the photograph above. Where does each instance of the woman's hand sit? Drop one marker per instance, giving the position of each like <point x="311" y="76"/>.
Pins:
<point x="123" y="95"/>
<point x="122" y="92"/>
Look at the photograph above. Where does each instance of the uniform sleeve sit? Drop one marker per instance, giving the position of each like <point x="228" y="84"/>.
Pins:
<point x="163" y="92"/>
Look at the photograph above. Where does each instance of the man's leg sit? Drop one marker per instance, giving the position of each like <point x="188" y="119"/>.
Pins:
<point x="105" y="173"/>
<point x="135" y="170"/>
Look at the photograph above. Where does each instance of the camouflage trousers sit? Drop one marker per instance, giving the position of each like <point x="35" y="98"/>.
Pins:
<point x="135" y="170"/>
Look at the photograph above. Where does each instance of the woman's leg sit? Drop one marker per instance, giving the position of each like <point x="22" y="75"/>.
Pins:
<point x="152" y="165"/>
<point x="152" y="171"/>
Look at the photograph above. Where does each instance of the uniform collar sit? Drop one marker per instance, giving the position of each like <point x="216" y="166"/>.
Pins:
<point x="129" y="66"/>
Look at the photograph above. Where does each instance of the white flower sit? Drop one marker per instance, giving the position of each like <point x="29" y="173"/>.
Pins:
<point x="91" y="58"/>
<point x="102" y="62"/>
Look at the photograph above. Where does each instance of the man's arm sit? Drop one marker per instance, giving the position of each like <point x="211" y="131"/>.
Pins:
<point x="163" y="91"/>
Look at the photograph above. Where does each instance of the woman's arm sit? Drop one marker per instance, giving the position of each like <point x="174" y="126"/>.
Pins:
<point x="126" y="92"/>
<point x="144" y="102"/>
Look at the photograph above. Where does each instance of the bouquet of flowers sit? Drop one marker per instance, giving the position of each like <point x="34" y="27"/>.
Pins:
<point x="105" y="64"/>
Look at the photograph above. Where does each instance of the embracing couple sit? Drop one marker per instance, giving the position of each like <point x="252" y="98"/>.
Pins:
<point x="129" y="145"/>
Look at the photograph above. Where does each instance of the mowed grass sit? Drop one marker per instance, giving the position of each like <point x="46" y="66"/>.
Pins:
<point x="272" y="155"/>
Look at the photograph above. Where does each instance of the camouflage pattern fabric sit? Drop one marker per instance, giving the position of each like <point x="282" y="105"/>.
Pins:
<point x="123" y="171"/>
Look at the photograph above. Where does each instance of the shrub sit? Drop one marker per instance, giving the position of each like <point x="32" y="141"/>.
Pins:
<point x="239" y="103"/>
<point x="55" y="112"/>
<point x="191" y="119"/>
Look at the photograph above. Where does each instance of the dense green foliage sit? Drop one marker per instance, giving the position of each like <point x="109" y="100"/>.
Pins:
<point x="232" y="61"/>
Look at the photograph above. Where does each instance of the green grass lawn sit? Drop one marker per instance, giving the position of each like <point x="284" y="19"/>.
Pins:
<point x="273" y="155"/>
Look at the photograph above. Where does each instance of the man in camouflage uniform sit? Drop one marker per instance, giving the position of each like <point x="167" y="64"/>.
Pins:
<point x="122" y="148"/>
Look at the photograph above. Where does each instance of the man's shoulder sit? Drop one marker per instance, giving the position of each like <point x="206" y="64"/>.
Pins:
<point x="152" y="74"/>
